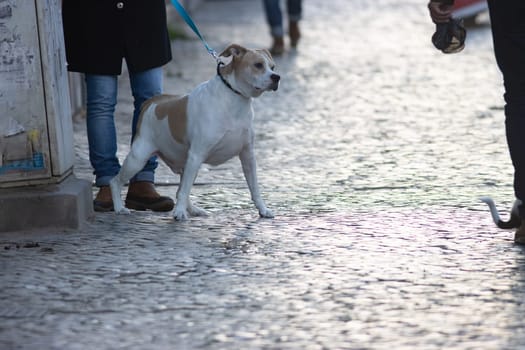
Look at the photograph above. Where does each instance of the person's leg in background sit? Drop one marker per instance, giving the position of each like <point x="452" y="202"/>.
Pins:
<point x="294" y="8"/>
<point x="102" y="136"/>
<point x="274" y="18"/>
<point x="141" y="193"/>
<point x="508" y="29"/>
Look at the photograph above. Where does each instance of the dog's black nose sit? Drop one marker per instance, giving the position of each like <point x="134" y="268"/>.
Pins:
<point x="275" y="78"/>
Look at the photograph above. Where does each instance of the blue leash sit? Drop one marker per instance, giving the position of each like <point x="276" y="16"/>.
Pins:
<point x="186" y="17"/>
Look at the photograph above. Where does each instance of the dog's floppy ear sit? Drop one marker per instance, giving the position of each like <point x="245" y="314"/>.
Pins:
<point x="266" y="53"/>
<point x="233" y="50"/>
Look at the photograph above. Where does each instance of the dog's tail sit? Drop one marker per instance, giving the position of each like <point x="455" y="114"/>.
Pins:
<point x="514" y="221"/>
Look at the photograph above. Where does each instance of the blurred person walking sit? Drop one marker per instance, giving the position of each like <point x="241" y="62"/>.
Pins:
<point x="274" y="17"/>
<point x="508" y="32"/>
<point x="99" y="34"/>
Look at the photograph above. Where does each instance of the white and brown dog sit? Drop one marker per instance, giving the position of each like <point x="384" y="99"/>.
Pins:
<point x="210" y="125"/>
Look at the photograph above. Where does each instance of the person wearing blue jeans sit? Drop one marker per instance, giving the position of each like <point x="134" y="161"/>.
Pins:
<point x="274" y="18"/>
<point x="508" y="33"/>
<point x="99" y="35"/>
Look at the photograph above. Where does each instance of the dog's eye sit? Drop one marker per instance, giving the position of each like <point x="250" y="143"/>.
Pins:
<point x="272" y="67"/>
<point x="259" y="65"/>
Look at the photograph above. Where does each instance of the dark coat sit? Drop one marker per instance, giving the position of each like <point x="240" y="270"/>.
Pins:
<point x="100" y="33"/>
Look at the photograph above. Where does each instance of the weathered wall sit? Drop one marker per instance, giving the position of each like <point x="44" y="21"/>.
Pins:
<point x="35" y="113"/>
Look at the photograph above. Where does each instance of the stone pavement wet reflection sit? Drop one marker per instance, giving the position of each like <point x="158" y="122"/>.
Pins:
<point x="372" y="154"/>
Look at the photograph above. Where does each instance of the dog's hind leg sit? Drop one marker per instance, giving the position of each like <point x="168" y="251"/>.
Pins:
<point x="139" y="154"/>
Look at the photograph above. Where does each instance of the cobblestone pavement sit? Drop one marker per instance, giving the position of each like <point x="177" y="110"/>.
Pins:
<point x="372" y="154"/>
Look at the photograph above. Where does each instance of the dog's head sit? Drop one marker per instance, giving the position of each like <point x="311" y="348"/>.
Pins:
<point x="251" y="72"/>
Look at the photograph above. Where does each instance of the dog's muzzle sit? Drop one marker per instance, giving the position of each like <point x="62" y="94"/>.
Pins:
<point x="275" y="81"/>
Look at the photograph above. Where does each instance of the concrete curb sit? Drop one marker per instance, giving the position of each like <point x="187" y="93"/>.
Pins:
<point x="67" y="204"/>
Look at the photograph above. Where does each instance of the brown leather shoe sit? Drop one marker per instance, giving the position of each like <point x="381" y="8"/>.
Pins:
<point x="143" y="196"/>
<point x="295" y="33"/>
<point x="519" y="236"/>
<point x="278" y="46"/>
<point x="103" y="201"/>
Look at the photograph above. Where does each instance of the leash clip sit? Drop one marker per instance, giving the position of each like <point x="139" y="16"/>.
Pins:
<point x="215" y="55"/>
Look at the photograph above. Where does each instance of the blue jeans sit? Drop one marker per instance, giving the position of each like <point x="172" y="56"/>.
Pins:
<point x="274" y="15"/>
<point x="508" y="33"/>
<point x="101" y="130"/>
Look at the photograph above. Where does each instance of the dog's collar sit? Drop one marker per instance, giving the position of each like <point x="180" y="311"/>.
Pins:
<point x="224" y="80"/>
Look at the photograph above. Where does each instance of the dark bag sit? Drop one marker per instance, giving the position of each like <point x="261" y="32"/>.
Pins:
<point x="450" y="37"/>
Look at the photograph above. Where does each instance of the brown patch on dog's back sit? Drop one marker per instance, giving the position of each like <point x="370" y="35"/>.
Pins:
<point x="147" y="103"/>
<point x="175" y="109"/>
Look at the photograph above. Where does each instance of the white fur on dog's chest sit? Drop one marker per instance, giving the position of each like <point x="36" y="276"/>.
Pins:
<point x="220" y="122"/>
<point x="229" y="146"/>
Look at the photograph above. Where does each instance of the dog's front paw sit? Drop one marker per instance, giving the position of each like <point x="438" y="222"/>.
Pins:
<point x="122" y="211"/>
<point x="266" y="213"/>
<point x="180" y="215"/>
